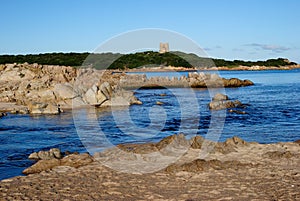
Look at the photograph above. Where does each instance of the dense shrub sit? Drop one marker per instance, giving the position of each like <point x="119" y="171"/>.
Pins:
<point x="140" y="59"/>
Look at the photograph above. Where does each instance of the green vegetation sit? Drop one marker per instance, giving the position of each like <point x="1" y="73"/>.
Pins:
<point x="270" y="62"/>
<point x="195" y="60"/>
<point x="98" y="61"/>
<point x="68" y="59"/>
<point x="149" y="58"/>
<point x="140" y="59"/>
<point x="210" y="62"/>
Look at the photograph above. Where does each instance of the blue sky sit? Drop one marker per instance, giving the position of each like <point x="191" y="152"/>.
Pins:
<point x="230" y="29"/>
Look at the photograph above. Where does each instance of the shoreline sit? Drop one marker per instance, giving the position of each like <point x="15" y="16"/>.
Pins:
<point x="233" y="170"/>
<point x="182" y="69"/>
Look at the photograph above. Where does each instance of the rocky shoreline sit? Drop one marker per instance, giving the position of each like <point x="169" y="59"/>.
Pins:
<point x="44" y="89"/>
<point x="220" y="68"/>
<point x="174" y="168"/>
<point x="233" y="170"/>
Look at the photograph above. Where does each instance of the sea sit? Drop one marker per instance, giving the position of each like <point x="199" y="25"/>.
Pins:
<point x="271" y="113"/>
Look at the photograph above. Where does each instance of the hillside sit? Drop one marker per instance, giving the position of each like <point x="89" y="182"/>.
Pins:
<point x="140" y="59"/>
<point x="148" y="59"/>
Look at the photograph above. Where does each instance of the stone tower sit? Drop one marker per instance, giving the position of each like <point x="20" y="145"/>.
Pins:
<point x="163" y="47"/>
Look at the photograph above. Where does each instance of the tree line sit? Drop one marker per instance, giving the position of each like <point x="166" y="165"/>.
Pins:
<point x="136" y="60"/>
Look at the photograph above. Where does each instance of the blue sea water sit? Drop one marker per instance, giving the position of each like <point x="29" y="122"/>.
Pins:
<point x="272" y="115"/>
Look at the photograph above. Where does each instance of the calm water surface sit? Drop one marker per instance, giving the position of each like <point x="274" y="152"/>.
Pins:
<point x="273" y="115"/>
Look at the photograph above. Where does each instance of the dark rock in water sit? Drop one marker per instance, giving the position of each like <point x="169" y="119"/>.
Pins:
<point x="219" y="105"/>
<point x="237" y="111"/>
<point x="235" y="82"/>
<point x="221" y="101"/>
<point x="2" y="114"/>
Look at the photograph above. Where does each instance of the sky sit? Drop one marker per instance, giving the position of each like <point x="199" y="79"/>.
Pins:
<point x="229" y="29"/>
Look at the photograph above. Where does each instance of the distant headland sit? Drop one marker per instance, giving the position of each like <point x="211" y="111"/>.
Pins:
<point x="149" y="60"/>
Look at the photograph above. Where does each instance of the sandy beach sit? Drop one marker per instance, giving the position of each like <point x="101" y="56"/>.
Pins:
<point x="234" y="170"/>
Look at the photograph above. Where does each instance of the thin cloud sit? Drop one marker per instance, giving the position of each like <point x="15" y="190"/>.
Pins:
<point x="207" y="49"/>
<point x="273" y="48"/>
<point x="237" y="49"/>
<point x="212" y="48"/>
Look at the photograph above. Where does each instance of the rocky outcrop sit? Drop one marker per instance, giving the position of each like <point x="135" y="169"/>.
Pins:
<point x="45" y="89"/>
<point x="177" y="142"/>
<point x="48" y="161"/>
<point x="194" y="80"/>
<point x="42" y="165"/>
<point x="221" y="101"/>
<point x="46" y="155"/>
<point x="234" y="82"/>
<point x="202" y="80"/>
<point x="219" y="105"/>
<point x="33" y="86"/>
<point x="98" y="95"/>
<point x="252" y="172"/>
<point x="201" y="165"/>
<point x="43" y="108"/>
<point x="220" y="97"/>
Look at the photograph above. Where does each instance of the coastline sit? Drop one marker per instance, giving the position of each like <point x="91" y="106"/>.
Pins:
<point x="180" y="69"/>
<point x="233" y="170"/>
<point x="236" y="170"/>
